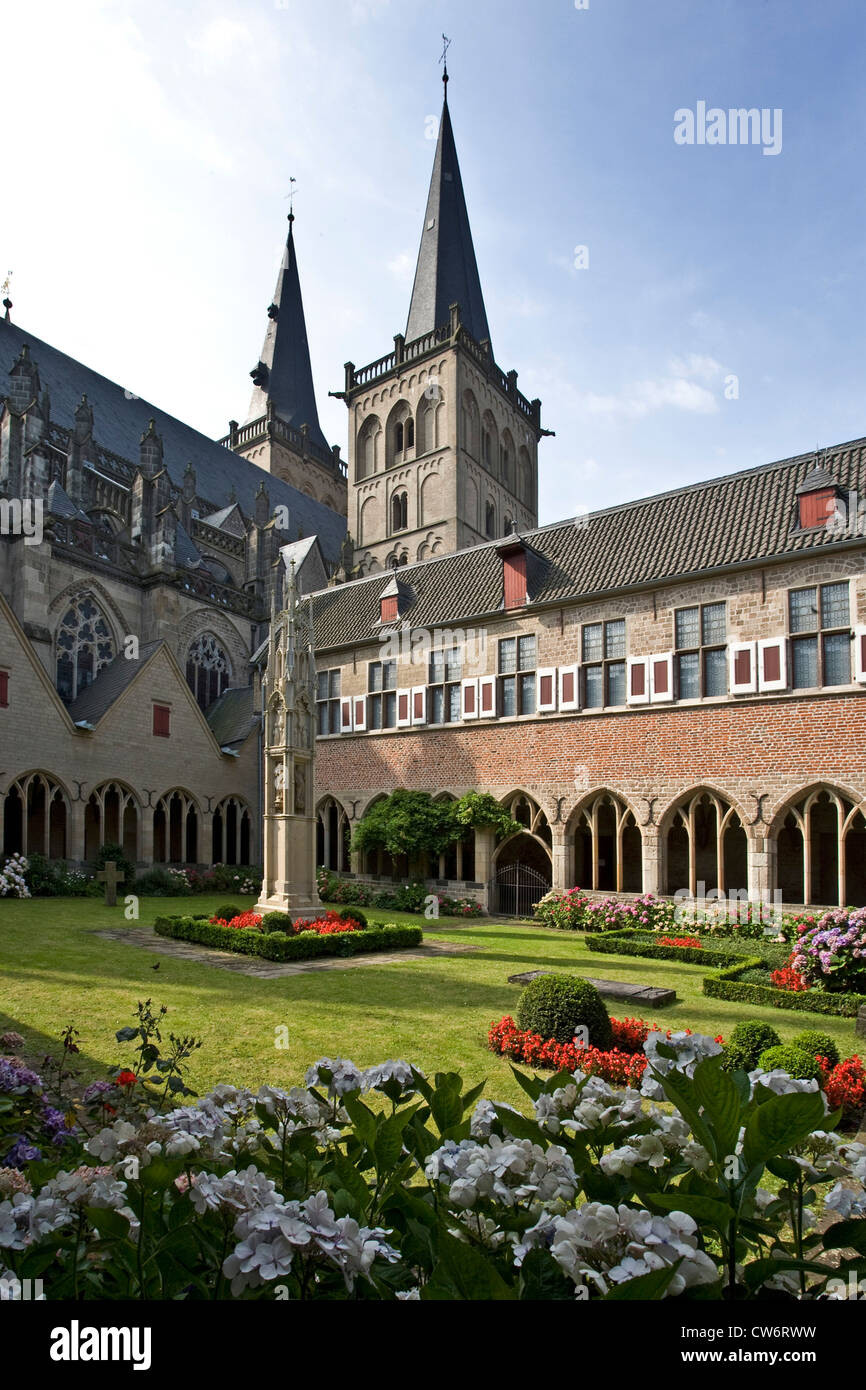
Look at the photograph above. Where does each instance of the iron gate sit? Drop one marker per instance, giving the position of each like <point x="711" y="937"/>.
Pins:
<point x="515" y="889"/>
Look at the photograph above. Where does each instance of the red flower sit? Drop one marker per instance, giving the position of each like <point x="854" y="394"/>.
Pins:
<point x="789" y="979"/>
<point x="126" y="1078"/>
<point x="690" y="941"/>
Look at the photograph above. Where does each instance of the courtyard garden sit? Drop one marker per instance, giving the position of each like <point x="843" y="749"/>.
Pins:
<point x="181" y="1120"/>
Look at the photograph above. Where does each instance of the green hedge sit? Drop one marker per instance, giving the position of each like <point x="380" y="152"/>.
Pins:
<point x="630" y="941"/>
<point x="725" y="984"/>
<point x="277" y="945"/>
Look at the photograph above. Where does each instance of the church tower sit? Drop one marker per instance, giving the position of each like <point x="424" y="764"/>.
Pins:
<point x="282" y="433"/>
<point x="443" y="447"/>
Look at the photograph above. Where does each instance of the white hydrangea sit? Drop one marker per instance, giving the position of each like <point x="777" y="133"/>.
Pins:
<point x="345" y="1076"/>
<point x="484" y="1117"/>
<point x="235" y="1192"/>
<point x="781" y="1084"/>
<point x="845" y="1201"/>
<point x="587" y="1103"/>
<point x="27" y="1218"/>
<point x="509" y="1171"/>
<point x="606" y="1245"/>
<point x="271" y="1238"/>
<point x="690" y="1048"/>
<point x="374" y="1078"/>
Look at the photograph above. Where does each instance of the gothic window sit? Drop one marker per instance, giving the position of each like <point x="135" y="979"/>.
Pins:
<point x="207" y="669"/>
<point x="84" y="646"/>
<point x="398" y="437"/>
<point x="410" y="433"/>
<point x="490" y="520"/>
<point x="399" y="511"/>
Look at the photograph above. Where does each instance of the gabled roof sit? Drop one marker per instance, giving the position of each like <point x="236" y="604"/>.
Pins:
<point x="231" y="717"/>
<point x="120" y="419"/>
<point x="446" y="272"/>
<point x="288" y="376"/>
<point x="97" y="698"/>
<point x="742" y="519"/>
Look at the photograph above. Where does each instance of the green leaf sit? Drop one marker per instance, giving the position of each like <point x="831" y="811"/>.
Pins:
<point x="126" y="1034"/>
<point x="646" y="1287"/>
<point x="779" y="1124"/>
<point x="108" y="1222"/>
<point x="462" y="1273"/>
<point x="717" y="1094"/>
<point x="362" y="1118"/>
<point x="532" y="1085"/>
<point x="702" y="1209"/>
<point x="518" y="1125"/>
<point x="388" y="1143"/>
<point x="845" y="1235"/>
<point x="542" y="1280"/>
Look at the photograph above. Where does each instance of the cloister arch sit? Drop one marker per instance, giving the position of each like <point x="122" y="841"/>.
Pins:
<point x="112" y="816"/>
<point x="36" y="816"/>
<point x="820" y="847"/>
<point x="704" y="841"/>
<point x="176" y="821"/>
<point x="231" y="832"/>
<point x="333" y="833"/>
<point x="607" y="844"/>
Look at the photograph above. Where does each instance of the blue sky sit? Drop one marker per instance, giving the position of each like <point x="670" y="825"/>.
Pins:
<point x="148" y="154"/>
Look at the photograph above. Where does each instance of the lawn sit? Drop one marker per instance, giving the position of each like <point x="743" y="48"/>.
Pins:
<point x="435" y="1012"/>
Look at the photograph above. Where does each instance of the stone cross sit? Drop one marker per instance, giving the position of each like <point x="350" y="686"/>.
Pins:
<point x="110" y="877"/>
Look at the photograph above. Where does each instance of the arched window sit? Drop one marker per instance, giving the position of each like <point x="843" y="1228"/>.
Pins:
<point x="399" y="511"/>
<point x="231" y="832"/>
<point x="705" y="846"/>
<point x="607" y="846"/>
<point x="368" y="445"/>
<point x="84" y="645"/>
<point x="333" y="834"/>
<point x="175" y="829"/>
<point x="490" y="520"/>
<point x="506" y="460"/>
<point x="207" y="669"/>
<point x="410" y="433"/>
<point x="34" y="817"/>
<point x="398" y="437"/>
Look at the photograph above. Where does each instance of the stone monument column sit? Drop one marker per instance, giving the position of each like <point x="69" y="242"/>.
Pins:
<point x="288" y="702"/>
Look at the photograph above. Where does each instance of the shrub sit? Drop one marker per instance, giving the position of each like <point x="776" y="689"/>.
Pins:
<point x="746" y="1044"/>
<point x="817" y="1044"/>
<point x="791" y="1059"/>
<point x="275" y="921"/>
<point x="728" y="983"/>
<point x="278" y="945"/>
<point x="832" y="952"/>
<point x="162" y="883"/>
<point x="227" y="911"/>
<point x="117" y="855"/>
<point x="353" y="915"/>
<point x="410" y="897"/>
<point x="757" y="975"/>
<point x="562" y="911"/>
<point x="557" y="1005"/>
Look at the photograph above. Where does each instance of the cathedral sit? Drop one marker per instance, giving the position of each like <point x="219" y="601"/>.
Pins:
<point x="666" y="694"/>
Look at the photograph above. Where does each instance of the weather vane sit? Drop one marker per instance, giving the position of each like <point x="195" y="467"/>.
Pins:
<point x="291" y="197"/>
<point x="446" y="44"/>
<point x="7" y="302"/>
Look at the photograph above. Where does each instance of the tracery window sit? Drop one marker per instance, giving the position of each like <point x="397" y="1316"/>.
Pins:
<point x="207" y="669"/>
<point x="84" y="645"/>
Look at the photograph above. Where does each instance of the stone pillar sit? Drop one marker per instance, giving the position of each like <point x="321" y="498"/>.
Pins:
<point x="651" y="841"/>
<point x="762" y="864"/>
<point x="75" y="831"/>
<point x="146" y="835"/>
<point x="561" y="858"/>
<point x="485" y="843"/>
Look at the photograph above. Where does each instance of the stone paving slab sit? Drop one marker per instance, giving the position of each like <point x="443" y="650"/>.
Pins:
<point x="273" y="969"/>
<point x="652" y="996"/>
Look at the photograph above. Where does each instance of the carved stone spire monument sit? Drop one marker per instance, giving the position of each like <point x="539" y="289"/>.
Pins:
<point x="289" y="832"/>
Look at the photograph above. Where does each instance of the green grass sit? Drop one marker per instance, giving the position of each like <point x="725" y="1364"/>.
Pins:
<point x="434" y="1012"/>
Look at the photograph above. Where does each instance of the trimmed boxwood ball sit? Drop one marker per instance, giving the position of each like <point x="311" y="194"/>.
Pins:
<point x="817" y="1044"/>
<point x="227" y="911"/>
<point x="353" y="914"/>
<point x="746" y="1043"/>
<point x="555" y="1006"/>
<point x="791" y="1059"/>
<point x="276" y="921"/>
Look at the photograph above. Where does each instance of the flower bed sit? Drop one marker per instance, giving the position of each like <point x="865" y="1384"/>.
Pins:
<point x="832" y="952"/>
<point x="330" y="924"/>
<point x="572" y="910"/>
<point x="622" y="1065"/>
<point x="315" y="1193"/>
<point x="409" y="897"/>
<point x="303" y="945"/>
<point x="727" y="984"/>
<point x="638" y="943"/>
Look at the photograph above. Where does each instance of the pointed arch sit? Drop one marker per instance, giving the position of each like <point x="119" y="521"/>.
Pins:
<point x="333" y="833"/>
<point x="607" y="843"/>
<point x="704" y="844"/>
<point x="231" y="831"/>
<point x="176" y="828"/>
<point x="84" y="643"/>
<point x="36" y="808"/>
<point x="819" y="840"/>
<point x="112" y="815"/>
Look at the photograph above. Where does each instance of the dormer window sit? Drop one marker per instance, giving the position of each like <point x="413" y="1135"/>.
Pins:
<point x="818" y="499"/>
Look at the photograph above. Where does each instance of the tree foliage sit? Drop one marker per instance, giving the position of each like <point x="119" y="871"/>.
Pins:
<point x="412" y="823"/>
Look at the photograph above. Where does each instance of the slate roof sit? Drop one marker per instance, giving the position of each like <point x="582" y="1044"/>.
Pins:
<point x="98" y="697"/>
<point x="286" y="355"/>
<point x="446" y="272"/>
<point x="119" y="422"/>
<point x="231" y="717"/>
<point x="743" y="518"/>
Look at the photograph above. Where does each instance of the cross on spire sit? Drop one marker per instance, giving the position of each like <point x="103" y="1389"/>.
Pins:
<point x="446" y="42"/>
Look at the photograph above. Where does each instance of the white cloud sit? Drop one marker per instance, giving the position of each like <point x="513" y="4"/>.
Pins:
<point x="219" y="42"/>
<point x="402" y="267"/>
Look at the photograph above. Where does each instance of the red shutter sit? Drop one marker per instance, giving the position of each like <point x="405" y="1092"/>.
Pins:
<point x="546" y="690"/>
<point x="660" y="677"/>
<point x="772" y="663"/>
<point x="567" y="691"/>
<point x="403" y="707"/>
<point x="4" y="689"/>
<point x="417" y="706"/>
<point x="161" y="721"/>
<point x="862" y="666"/>
<point x="742" y="666"/>
<point x="638" y="679"/>
<point x="514" y="579"/>
<point x="487" y="692"/>
<point x="388" y="609"/>
<point x="817" y="507"/>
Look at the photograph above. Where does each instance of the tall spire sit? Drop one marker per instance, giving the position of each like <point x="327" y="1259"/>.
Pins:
<point x="283" y="376"/>
<point x="446" y="272"/>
